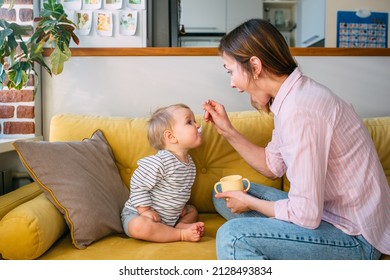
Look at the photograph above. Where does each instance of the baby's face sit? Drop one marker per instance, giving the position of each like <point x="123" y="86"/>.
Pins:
<point x="186" y="130"/>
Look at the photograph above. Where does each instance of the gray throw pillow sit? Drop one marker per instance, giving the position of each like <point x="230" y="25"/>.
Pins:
<point x="81" y="179"/>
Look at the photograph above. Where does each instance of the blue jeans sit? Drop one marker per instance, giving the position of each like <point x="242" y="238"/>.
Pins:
<point x="252" y="236"/>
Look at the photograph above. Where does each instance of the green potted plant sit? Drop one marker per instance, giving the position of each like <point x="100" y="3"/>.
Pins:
<point x="18" y="58"/>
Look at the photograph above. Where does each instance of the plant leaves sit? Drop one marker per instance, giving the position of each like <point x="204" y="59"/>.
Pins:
<point x="75" y="38"/>
<point x="4" y="34"/>
<point x="19" y="30"/>
<point x="36" y="56"/>
<point x="18" y="75"/>
<point x="57" y="59"/>
<point x="11" y="3"/>
<point x="2" y="76"/>
<point x="52" y="8"/>
<point x="53" y="27"/>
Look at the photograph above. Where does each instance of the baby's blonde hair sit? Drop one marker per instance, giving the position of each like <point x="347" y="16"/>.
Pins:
<point x="161" y="120"/>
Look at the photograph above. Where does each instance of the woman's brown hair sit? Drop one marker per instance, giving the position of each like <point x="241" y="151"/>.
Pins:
<point x="258" y="37"/>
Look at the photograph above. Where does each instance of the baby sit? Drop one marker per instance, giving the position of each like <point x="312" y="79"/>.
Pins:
<point x="160" y="187"/>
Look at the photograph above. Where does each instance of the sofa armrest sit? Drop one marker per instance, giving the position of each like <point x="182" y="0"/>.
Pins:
<point x="15" y="198"/>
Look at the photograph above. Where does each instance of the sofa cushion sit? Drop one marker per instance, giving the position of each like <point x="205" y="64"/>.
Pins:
<point x="81" y="179"/>
<point x="379" y="129"/>
<point x="121" y="247"/>
<point x="216" y="158"/>
<point x="30" y="229"/>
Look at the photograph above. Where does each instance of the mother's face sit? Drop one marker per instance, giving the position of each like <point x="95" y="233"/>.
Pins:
<point x="238" y="77"/>
<point x="241" y="80"/>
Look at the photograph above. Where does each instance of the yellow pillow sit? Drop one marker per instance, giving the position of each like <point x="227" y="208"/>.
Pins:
<point x="30" y="229"/>
<point x="19" y="196"/>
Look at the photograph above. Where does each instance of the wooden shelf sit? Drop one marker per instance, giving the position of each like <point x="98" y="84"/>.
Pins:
<point x="155" y="51"/>
<point x="214" y="52"/>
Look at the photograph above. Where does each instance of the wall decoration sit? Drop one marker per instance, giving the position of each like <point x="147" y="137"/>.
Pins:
<point x="92" y="4"/>
<point x="72" y="4"/>
<point x="83" y="20"/>
<point x="104" y="24"/>
<point x="136" y="4"/>
<point x="128" y="22"/>
<point x="107" y="23"/>
<point x="362" y="29"/>
<point x="112" y="4"/>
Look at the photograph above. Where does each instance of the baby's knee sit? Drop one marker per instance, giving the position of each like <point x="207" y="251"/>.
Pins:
<point x="138" y="228"/>
<point x="191" y="209"/>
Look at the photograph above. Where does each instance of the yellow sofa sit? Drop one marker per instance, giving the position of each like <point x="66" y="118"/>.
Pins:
<point x="31" y="227"/>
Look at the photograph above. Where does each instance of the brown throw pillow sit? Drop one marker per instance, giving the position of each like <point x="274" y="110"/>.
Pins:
<point x="81" y="179"/>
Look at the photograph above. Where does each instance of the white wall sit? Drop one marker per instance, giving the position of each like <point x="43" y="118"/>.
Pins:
<point x="134" y="86"/>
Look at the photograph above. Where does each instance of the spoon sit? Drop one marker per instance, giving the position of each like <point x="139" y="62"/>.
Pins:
<point x="200" y="128"/>
<point x="201" y="120"/>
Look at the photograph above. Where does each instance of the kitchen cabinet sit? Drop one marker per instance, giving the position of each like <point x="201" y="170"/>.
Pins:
<point x="217" y="16"/>
<point x="203" y="16"/>
<point x="239" y="11"/>
<point x="304" y="20"/>
<point x="301" y="22"/>
<point x="311" y="23"/>
<point x="283" y="14"/>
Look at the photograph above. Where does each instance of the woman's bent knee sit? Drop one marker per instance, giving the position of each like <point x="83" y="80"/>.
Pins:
<point x="225" y="239"/>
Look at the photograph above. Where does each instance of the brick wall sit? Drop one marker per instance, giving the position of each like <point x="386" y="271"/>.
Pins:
<point x="17" y="107"/>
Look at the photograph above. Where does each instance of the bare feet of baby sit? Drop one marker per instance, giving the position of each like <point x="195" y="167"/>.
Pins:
<point x="191" y="232"/>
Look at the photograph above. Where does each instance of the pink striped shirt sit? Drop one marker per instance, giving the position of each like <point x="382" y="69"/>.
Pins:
<point x="331" y="162"/>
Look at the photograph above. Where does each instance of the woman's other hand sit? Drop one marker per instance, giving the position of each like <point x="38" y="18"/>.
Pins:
<point x="241" y="201"/>
<point x="236" y="201"/>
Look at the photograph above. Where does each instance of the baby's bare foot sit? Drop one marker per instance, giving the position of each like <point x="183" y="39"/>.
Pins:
<point x="185" y="226"/>
<point x="191" y="232"/>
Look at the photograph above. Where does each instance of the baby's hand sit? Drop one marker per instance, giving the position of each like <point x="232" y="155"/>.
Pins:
<point x="152" y="215"/>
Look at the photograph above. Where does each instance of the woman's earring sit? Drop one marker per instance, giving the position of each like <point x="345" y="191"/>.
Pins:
<point x="255" y="77"/>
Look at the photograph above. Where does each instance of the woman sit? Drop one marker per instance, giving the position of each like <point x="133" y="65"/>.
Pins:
<point x="338" y="206"/>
